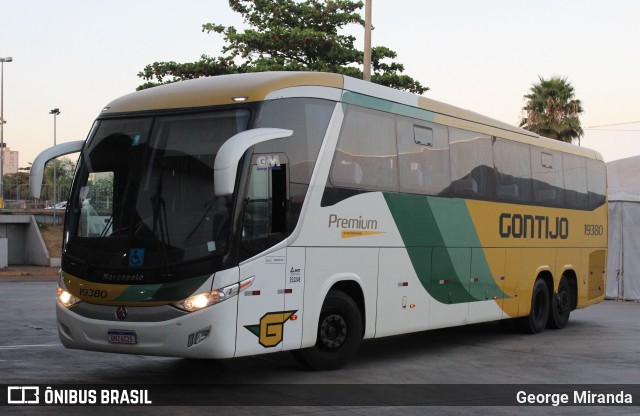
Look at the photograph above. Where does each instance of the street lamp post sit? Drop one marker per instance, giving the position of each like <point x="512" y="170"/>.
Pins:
<point x="55" y="112"/>
<point x="2" y="121"/>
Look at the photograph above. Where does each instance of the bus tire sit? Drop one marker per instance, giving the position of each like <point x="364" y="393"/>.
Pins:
<point x="340" y="331"/>
<point x="537" y="319"/>
<point x="560" y="306"/>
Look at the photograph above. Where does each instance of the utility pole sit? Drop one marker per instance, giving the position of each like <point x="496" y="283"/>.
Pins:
<point x="366" y="73"/>
<point x="55" y="112"/>
<point x="2" y="121"/>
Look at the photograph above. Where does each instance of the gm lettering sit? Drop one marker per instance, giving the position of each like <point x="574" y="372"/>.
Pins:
<point x="268" y="162"/>
<point x="533" y="226"/>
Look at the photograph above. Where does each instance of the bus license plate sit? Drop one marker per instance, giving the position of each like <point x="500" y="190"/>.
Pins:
<point x="122" y="337"/>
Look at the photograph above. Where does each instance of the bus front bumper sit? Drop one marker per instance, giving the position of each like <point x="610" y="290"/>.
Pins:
<point x="208" y="333"/>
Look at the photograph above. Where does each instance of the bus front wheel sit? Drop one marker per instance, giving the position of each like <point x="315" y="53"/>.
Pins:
<point x="339" y="334"/>
<point x="540" y="305"/>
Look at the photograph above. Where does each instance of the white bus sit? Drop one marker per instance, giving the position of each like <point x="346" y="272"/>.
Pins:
<point x="253" y="213"/>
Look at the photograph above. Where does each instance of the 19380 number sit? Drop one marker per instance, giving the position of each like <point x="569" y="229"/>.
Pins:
<point x="593" y="229"/>
<point x="93" y="293"/>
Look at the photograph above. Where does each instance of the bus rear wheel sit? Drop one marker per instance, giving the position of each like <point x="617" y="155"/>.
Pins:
<point x="540" y="305"/>
<point x="339" y="335"/>
<point x="560" y="306"/>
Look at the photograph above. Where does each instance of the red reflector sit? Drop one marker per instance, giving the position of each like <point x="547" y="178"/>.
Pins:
<point x="255" y="293"/>
<point x="444" y="282"/>
<point x="288" y="291"/>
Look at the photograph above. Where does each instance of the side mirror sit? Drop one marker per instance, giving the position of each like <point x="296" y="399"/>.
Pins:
<point x="37" y="167"/>
<point x="230" y="153"/>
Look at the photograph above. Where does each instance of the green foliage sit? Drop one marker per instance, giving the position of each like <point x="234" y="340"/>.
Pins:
<point x="552" y="110"/>
<point x="101" y="186"/>
<point x="64" y="177"/>
<point x="288" y="35"/>
<point x="15" y="184"/>
<point x="167" y="72"/>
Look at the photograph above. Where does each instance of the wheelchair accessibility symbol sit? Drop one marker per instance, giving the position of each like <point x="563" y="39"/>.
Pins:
<point x="136" y="257"/>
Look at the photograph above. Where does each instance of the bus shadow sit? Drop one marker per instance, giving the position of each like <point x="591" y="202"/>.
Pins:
<point x="374" y="356"/>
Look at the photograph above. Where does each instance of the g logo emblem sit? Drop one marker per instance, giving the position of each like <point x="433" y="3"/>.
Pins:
<point x="270" y="329"/>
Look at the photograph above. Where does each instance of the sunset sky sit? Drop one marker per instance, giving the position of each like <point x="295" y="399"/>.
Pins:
<point x="78" y="55"/>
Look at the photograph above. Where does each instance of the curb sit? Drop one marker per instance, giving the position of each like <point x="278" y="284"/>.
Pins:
<point x="29" y="273"/>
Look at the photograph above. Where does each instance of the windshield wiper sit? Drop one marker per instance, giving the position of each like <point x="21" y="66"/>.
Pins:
<point x="160" y="225"/>
<point x="207" y="207"/>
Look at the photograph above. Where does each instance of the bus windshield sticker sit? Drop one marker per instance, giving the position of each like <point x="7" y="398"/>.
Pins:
<point x="136" y="257"/>
<point x="274" y="260"/>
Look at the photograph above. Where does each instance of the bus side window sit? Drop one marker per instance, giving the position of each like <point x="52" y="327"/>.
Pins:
<point x="575" y="181"/>
<point x="423" y="156"/>
<point x="548" y="180"/>
<point x="513" y="171"/>
<point x="596" y="183"/>
<point x="308" y="118"/>
<point x="266" y="205"/>
<point x="472" y="171"/>
<point x="366" y="157"/>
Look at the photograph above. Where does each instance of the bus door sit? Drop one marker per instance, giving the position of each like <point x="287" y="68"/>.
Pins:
<point x="261" y="307"/>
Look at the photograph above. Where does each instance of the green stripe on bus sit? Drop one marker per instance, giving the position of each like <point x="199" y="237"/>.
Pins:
<point x="387" y="106"/>
<point x="439" y="235"/>
<point x="163" y="292"/>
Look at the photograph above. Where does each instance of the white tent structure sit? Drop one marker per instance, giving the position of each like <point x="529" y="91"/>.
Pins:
<point x="623" y="264"/>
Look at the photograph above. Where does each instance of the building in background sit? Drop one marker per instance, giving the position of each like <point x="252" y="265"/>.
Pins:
<point x="10" y="161"/>
<point x="613" y="141"/>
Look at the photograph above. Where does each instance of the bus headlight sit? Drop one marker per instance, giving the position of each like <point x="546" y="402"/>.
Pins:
<point x="66" y="299"/>
<point x="206" y="299"/>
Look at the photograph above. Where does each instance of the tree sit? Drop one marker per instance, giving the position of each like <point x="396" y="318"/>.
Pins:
<point x="288" y="35"/>
<point x="64" y="177"/>
<point x="552" y="110"/>
<point x="16" y="186"/>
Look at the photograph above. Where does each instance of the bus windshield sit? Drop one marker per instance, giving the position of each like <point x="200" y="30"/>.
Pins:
<point x="143" y="196"/>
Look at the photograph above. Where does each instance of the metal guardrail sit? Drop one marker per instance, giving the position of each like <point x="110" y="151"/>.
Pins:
<point x="17" y="197"/>
<point x="17" y="200"/>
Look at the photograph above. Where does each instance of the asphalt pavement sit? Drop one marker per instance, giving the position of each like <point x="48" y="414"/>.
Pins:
<point x="601" y="345"/>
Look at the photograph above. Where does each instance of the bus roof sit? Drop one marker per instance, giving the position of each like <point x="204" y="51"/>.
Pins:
<point x="258" y="86"/>
<point x="219" y="90"/>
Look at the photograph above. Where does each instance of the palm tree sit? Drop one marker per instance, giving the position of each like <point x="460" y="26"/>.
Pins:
<point x="552" y="110"/>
